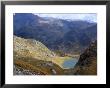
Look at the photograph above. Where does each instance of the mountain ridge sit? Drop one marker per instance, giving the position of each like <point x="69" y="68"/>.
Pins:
<point x="55" y="32"/>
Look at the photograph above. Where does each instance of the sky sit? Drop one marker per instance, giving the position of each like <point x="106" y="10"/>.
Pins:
<point x="88" y="17"/>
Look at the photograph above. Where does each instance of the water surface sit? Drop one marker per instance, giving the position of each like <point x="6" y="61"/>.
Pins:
<point x="70" y="63"/>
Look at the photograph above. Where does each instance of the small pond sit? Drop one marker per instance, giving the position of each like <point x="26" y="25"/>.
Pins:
<point x="70" y="63"/>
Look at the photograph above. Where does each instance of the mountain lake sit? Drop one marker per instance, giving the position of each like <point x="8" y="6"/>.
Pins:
<point x="70" y="63"/>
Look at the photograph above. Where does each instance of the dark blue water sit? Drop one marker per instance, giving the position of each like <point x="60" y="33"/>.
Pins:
<point x="70" y="63"/>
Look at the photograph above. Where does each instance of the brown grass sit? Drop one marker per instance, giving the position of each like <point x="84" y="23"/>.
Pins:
<point x="87" y="70"/>
<point x="35" y="65"/>
<point x="28" y="66"/>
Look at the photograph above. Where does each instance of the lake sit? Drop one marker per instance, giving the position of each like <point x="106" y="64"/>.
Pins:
<point x="70" y="63"/>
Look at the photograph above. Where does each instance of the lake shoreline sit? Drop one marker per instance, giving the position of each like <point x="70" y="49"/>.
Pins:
<point x="62" y="60"/>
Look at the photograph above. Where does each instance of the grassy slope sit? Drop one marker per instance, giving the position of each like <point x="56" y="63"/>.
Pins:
<point x="37" y="66"/>
<point x="32" y="49"/>
<point x="30" y="54"/>
<point x="60" y="60"/>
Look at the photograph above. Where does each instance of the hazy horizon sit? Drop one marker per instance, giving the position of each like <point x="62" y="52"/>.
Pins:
<point x="92" y="17"/>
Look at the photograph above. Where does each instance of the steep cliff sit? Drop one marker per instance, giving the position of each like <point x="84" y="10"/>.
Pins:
<point x="87" y="64"/>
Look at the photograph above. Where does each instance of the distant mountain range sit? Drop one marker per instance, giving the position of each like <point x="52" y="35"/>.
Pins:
<point x="57" y="34"/>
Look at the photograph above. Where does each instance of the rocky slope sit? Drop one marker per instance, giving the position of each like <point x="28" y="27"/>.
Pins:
<point x="31" y="48"/>
<point x="87" y="64"/>
<point x="33" y="58"/>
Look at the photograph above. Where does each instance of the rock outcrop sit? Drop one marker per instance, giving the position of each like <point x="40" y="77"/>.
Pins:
<point x="87" y="64"/>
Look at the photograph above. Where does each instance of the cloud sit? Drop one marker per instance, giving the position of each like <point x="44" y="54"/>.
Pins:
<point x="79" y="16"/>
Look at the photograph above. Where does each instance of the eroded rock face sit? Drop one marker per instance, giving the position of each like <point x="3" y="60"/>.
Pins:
<point x="87" y="64"/>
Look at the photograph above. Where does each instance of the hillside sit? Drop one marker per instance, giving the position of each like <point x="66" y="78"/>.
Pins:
<point x="87" y="64"/>
<point x="53" y="46"/>
<point x="70" y="37"/>
<point x="32" y="57"/>
<point x="31" y="48"/>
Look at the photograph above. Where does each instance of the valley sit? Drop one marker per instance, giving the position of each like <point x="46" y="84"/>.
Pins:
<point x="59" y="35"/>
<point x="26" y="57"/>
<point x="52" y="46"/>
